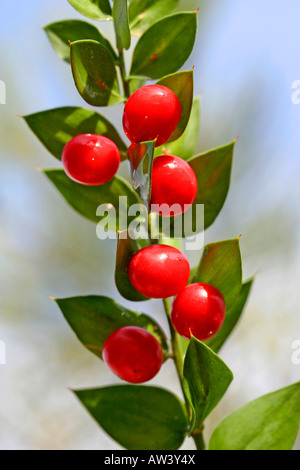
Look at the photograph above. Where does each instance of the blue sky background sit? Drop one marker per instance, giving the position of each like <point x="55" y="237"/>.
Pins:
<point x="246" y="58"/>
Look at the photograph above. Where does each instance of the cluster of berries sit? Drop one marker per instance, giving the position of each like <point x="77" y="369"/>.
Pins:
<point x="157" y="271"/>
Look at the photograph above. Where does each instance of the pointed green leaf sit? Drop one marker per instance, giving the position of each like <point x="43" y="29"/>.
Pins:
<point x="55" y="127"/>
<point x="206" y="379"/>
<point x="182" y="84"/>
<point x="165" y="46"/>
<point x="127" y="247"/>
<point x="120" y="16"/>
<point x="138" y="417"/>
<point x="94" y="9"/>
<point x="143" y="13"/>
<point x="86" y="199"/>
<point x="62" y="33"/>
<point x="93" y="318"/>
<point x="213" y="170"/>
<point x="95" y="73"/>
<point x="185" y="146"/>
<point x="270" y="422"/>
<point x="221" y="266"/>
<point x="141" y="162"/>
<point x="231" y="319"/>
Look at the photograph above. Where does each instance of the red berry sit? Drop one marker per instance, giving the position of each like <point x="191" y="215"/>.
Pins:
<point x="133" y="354"/>
<point x="173" y="182"/>
<point x="151" y="112"/>
<point x="198" y="310"/>
<point x="91" y="159"/>
<point x="159" y="271"/>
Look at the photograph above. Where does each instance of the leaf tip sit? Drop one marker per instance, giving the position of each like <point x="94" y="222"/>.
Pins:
<point x="52" y="298"/>
<point x="39" y="169"/>
<point x="236" y="139"/>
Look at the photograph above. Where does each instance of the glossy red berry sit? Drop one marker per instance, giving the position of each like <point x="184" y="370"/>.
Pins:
<point x="173" y="182"/>
<point x="198" y="310"/>
<point x="151" y="112"/>
<point x="133" y="354"/>
<point x="91" y="159"/>
<point x="159" y="271"/>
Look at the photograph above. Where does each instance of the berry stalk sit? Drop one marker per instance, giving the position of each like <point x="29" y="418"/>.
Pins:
<point x="122" y="67"/>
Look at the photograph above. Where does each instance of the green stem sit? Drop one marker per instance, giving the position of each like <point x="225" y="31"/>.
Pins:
<point x="199" y="441"/>
<point x="177" y="356"/>
<point x="123" y="74"/>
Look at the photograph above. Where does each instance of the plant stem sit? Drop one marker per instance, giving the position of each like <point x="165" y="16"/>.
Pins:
<point x="199" y="441"/>
<point x="123" y="74"/>
<point x="177" y="356"/>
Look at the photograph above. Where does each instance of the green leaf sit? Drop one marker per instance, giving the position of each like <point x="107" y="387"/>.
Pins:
<point x="127" y="247"/>
<point x="221" y="266"/>
<point x="95" y="73"/>
<point x="94" y="9"/>
<point x="270" y="422"/>
<point x="232" y="317"/>
<point x="143" y="13"/>
<point x="86" y="199"/>
<point x="165" y="46"/>
<point x="206" y="379"/>
<point x="138" y="417"/>
<point x="62" y="33"/>
<point x="141" y="162"/>
<point x="120" y="16"/>
<point x="185" y="146"/>
<point x="55" y="127"/>
<point x="136" y="83"/>
<point x="213" y="170"/>
<point x="182" y="84"/>
<point x="93" y="318"/>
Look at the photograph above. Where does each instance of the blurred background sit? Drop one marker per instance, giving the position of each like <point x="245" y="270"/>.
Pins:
<point x="246" y="58"/>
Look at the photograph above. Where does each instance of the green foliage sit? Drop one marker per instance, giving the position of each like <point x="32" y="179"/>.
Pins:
<point x="182" y="84"/>
<point x="127" y="247"/>
<point x="138" y="417"/>
<point x="185" y="145"/>
<point x="213" y="170"/>
<point x="270" y="422"/>
<point x="94" y="73"/>
<point x="93" y="318"/>
<point x="54" y="128"/>
<point x="86" y="199"/>
<point x="143" y="13"/>
<point x="94" y="9"/>
<point x="62" y="33"/>
<point x="165" y="46"/>
<point x="233" y="315"/>
<point x="221" y="266"/>
<point x="121" y="23"/>
<point x="206" y="379"/>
